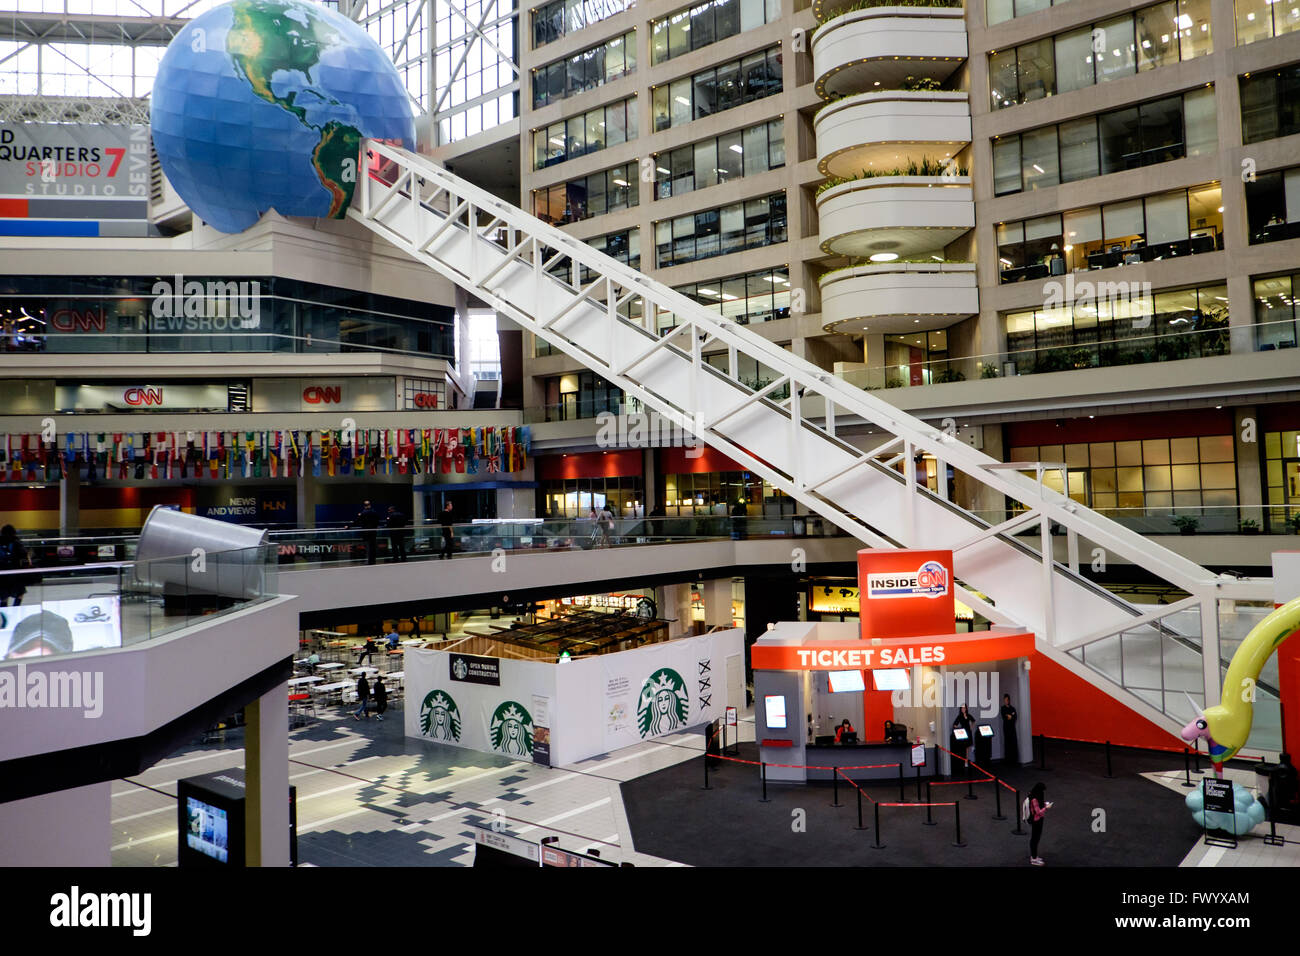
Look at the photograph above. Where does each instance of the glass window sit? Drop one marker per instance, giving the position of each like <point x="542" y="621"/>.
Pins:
<point x="727" y="83"/>
<point x="679" y="33"/>
<point x="776" y="144"/>
<point x="1122" y="221"/>
<point x="730" y="157"/>
<point x="1074" y="60"/>
<point x="727" y="23"/>
<point x="660" y="99"/>
<point x="1157" y="35"/>
<point x="1082" y="236"/>
<point x="680" y="93"/>
<point x="1116" y="54"/>
<point x="702" y="26"/>
<point x="998" y="11"/>
<point x="1119" y="139"/>
<point x="1166" y="218"/>
<point x="1162" y="130"/>
<point x="754" y="150"/>
<point x="616" y="124"/>
<point x="1002" y="79"/>
<point x="706" y="164"/>
<point x="659" y="41"/>
<point x="1254" y="20"/>
<point x="1036" y="69"/>
<point x="1079" y="159"/>
<point x="1201" y="121"/>
<point x="1039" y="164"/>
<point x="1006" y="165"/>
<point x="752" y="14"/>
<point x="1195" y="34"/>
<point x="683" y="170"/>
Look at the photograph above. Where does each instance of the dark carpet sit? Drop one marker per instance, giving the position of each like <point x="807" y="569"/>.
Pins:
<point x="1124" y="821"/>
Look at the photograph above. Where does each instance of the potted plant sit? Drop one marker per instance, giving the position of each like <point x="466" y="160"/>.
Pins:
<point x="1249" y="526"/>
<point x="1186" y="524"/>
<point x="1294" y="522"/>
<point x="989" y="371"/>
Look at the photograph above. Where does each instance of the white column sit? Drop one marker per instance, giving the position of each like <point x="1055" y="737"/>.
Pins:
<point x="266" y="777"/>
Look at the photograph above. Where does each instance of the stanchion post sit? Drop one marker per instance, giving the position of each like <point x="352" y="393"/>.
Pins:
<point x="1109" y="775"/>
<point x="997" y="800"/>
<point x="1042" y="752"/>
<point x="970" y="785"/>
<point x="956" y="805"/>
<point x="860" y="826"/>
<point x="902" y="797"/>
<point x="835" y="784"/>
<point x="1017" y="830"/>
<point x="706" y="769"/>
<point x="1273" y="839"/>
<point x="877" y="845"/>
<point x="929" y="805"/>
<point x="918" y="784"/>
<point x="1187" y="768"/>
<point x="764" y="800"/>
<point x="1196" y="758"/>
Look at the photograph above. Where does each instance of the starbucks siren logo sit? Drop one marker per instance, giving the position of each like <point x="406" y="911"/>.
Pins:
<point x="664" y="703"/>
<point x="440" y="717"/>
<point x="512" y="729"/>
<point x="459" y="668"/>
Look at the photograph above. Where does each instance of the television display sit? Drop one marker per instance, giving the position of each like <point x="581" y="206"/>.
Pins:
<point x="774" y="709"/>
<point x="846" y="680"/>
<point x="60" y="627"/>
<point x="890" y="679"/>
<point x="959" y="733"/>
<point x="985" y="730"/>
<point x="208" y="833"/>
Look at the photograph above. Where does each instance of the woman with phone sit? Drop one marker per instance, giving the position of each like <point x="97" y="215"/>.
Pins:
<point x="1038" y="807"/>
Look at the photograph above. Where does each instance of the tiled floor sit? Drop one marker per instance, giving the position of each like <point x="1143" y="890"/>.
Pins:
<point x="368" y="796"/>
<point x="1251" y="849"/>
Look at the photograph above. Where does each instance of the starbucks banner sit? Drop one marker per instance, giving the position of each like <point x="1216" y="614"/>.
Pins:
<point x="596" y="704"/>
<point x="492" y="718"/>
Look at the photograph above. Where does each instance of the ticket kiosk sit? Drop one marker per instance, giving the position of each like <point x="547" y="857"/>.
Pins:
<point x="899" y="676"/>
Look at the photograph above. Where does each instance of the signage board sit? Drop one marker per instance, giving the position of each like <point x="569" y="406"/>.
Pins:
<point x="905" y="593"/>
<point x="833" y="599"/>
<point x="475" y="670"/>
<point x="554" y="857"/>
<point x="918" y="755"/>
<point x="143" y="396"/>
<point x="76" y="162"/>
<point x="507" y="844"/>
<point x="733" y="716"/>
<point x="1218" y="795"/>
<point x="949" y="649"/>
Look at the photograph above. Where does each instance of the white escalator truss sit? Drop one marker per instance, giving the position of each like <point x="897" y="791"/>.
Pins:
<point x="601" y="312"/>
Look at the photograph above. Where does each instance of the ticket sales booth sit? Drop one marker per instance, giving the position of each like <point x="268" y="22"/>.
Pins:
<point x="899" y="676"/>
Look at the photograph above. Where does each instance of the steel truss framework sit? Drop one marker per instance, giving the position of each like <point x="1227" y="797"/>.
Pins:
<point x="786" y="429"/>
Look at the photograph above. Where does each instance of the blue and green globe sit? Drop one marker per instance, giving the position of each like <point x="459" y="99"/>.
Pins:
<point x="262" y="104"/>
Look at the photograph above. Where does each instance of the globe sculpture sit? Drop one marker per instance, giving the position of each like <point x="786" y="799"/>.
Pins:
<point x="262" y="104"/>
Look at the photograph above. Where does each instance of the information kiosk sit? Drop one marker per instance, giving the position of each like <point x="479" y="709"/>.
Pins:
<point x="899" y="677"/>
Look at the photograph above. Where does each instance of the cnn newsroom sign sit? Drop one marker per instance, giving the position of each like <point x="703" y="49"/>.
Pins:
<point x="74" y="160"/>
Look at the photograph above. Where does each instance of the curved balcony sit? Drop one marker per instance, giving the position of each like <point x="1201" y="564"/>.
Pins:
<point x="883" y="45"/>
<point x="906" y="215"/>
<point x="882" y="129"/>
<point x="895" y="297"/>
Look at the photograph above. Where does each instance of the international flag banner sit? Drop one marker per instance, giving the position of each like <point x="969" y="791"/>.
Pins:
<point x="317" y="447"/>
<point x="273" y="454"/>
<point x="248" y="454"/>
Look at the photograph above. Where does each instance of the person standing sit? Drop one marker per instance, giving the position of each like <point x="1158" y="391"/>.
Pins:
<point x="1038" y="806"/>
<point x="381" y="697"/>
<point x="1010" y="743"/>
<point x="13" y="557"/>
<point x="447" y="518"/>
<point x="605" y="521"/>
<point x="962" y="748"/>
<point x="368" y="521"/>
<point x="396" y="525"/>
<point x="739" y="520"/>
<point x="363" y="697"/>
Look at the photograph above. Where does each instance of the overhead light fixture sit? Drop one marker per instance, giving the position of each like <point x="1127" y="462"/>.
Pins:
<point x="884" y="257"/>
<point x="683" y="100"/>
<point x="737" y="148"/>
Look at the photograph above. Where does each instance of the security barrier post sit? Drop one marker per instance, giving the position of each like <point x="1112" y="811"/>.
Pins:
<point x="1017" y="830"/>
<point x="957" y="807"/>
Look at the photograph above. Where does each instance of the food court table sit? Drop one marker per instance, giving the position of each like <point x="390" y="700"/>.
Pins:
<point x="297" y="681"/>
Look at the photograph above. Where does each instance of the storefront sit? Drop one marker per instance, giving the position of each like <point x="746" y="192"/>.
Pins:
<point x="899" y="677"/>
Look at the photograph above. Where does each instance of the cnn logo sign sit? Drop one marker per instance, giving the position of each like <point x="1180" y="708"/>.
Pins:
<point x="139" y="396"/>
<point x="322" y="394"/>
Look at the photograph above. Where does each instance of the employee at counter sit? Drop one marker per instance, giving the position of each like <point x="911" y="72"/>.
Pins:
<point x="845" y="733"/>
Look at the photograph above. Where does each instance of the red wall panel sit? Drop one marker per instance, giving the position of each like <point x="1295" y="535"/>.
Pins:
<point x="1121" y="428"/>
<point x="593" y="464"/>
<point x="677" y="461"/>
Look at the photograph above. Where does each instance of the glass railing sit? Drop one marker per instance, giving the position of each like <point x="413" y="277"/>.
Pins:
<point x="69" y="610"/>
<point x="1204" y="342"/>
<point x="1182" y="520"/>
<point x="426" y="542"/>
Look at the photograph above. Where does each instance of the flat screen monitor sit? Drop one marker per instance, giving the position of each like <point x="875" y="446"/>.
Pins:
<point x="985" y="730"/>
<point x="890" y="679"/>
<point x="774" y="711"/>
<point x="959" y="733"/>
<point x="208" y="832"/>
<point x="846" y="680"/>
<point x="64" y="627"/>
